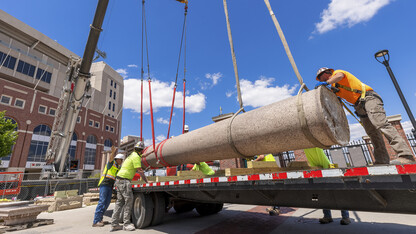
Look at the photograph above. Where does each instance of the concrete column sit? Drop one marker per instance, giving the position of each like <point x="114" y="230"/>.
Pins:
<point x="270" y="129"/>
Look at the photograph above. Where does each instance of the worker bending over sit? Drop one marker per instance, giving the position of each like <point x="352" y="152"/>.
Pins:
<point x="369" y="107"/>
<point x="106" y="185"/>
<point x="203" y="166"/>
<point x="124" y="189"/>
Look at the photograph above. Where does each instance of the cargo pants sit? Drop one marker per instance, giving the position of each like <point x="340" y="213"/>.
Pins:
<point x="374" y="120"/>
<point x="124" y="200"/>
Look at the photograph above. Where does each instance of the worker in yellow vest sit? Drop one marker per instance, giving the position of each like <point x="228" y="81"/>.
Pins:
<point x="203" y="166"/>
<point x="106" y="185"/>
<point x="124" y="189"/>
<point x="369" y="107"/>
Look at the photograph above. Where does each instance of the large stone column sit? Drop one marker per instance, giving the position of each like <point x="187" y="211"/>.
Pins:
<point x="270" y="129"/>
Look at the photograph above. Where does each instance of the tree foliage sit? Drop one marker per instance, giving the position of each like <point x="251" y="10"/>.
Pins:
<point x="8" y="135"/>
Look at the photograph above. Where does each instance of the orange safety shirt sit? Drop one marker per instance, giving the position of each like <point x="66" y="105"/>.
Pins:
<point x="353" y="82"/>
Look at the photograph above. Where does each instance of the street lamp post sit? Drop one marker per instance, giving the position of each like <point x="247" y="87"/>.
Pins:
<point x="383" y="57"/>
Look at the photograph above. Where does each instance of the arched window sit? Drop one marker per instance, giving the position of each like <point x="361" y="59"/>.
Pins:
<point x="90" y="150"/>
<point x="73" y="147"/>
<point x="107" y="144"/>
<point x="39" y="143"/>
<point x="10" y="155"/>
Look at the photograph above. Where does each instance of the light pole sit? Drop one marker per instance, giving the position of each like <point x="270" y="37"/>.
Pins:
<point x="383" y="57"/>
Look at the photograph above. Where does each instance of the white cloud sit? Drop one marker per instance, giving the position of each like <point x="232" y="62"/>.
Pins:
<point x="160" y="138"/>
<point x="357" y="132"/>
<point x="261" y="92"/>
<point x="123" y="72"/>
<point x="214" y="77"/>
<point x="348" y="13"/>
<point x="162" y="120"/>
<point x="162" y="93"/>
<point x="229" y="94"/>
<point x="132" y="65"/>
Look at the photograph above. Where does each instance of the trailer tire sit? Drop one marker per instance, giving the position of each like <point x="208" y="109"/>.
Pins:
<point x="142" y="210"/>
<point x="209" y="208"/>
<point x="183" y="206"/>
<point x="159" y="208"/>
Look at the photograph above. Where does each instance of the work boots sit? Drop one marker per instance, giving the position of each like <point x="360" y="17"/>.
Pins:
<point x="116" y="228"/>
<point x="273" y="211"/>
<point x="326" y="220"/>
<point x="345" y="221"/>
<point x="99" y="224"/>
<point x="129" y="227"/>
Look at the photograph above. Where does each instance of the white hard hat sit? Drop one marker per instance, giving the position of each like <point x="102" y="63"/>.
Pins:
<point x="186" y="128"/>
<point x="139" y="145"/>
<point x="119" y="156"/>
<point x="321" y="70"/>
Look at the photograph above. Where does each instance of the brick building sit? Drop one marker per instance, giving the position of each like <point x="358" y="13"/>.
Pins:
<point x="32" y="73"/>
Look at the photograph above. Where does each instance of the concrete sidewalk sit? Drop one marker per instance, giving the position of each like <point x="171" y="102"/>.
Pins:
<point x="237" y="219"/>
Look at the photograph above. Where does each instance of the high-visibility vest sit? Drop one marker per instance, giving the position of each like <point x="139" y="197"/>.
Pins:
<point x="269" y="158"/>
<point x="351" y="88"/>
<point x="109" y="174"/>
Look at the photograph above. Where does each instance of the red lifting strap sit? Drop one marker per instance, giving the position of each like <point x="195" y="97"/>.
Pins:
<point x="161" y="157"/>
<point x="144" y="161"/>
<point x="183" y="121"/>
<point x="141" y="112"/>
<point x="171" y="110"/>
<point x="151" y="114"/>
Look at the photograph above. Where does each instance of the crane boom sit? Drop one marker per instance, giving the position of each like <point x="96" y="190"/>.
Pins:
<point x="73" y="94"/>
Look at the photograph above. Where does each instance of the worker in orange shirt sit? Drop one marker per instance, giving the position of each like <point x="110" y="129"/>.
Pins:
<point x="369" y="107"/>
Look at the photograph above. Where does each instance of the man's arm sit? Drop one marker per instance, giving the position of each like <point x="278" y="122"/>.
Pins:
<point x="142" y="175"/>
<point x="113" y="153"/>
<point x="260" y="157"/>
<point x="335" y="78"/>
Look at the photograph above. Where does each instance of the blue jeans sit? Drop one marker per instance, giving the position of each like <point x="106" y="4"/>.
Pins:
<point x="344" y="213"/>
<point x="103" y="203"/>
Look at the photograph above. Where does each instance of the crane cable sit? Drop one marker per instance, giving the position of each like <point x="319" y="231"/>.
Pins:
<point x="230" y="38"/>
<point x="177" y="69"/>
<point x="141" y="80"/>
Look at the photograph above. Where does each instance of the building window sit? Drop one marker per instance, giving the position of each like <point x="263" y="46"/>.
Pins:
<point x="26" y="68"/>
<point x="90" y="150"/>
<point x="39" y="144"/>
<point x="111" y="83"/>
<point x="42" y="109"/>
<point x="97" y="124"/>
<point x="19" y="103"/>
<point x="114" y="106"/>
<point x="6" y="99"/>
<point x="114" y="95"/>
<point x="7" y="60"/>
<point x="107" y="128"/>
<point x="111" y="92"/>
<point x="73" y="147"/>
<point x="111" y="129"/>
<point x="90" y="123"/>
<point x="44" y="75"/>
<point x="115" y="85"/>
<point x="52" y="112"/>
<point x="107" y="144"/>
<point x="109" y="105"/>
<point x="79" y="119"/>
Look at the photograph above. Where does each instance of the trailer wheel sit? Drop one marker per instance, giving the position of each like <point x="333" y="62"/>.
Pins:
<point x="209" y="208"/>
<point x="183" y="206"/>
<point x="142" y="210"/>
<point x="159" y="208"/>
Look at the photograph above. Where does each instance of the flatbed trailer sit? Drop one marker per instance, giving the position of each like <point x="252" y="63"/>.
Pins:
<point x="384" y="188"/>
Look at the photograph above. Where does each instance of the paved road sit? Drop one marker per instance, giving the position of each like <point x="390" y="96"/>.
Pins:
<point x="238" y="219"/>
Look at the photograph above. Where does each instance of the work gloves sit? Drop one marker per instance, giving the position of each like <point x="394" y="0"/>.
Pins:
<point x="321" y="83"/>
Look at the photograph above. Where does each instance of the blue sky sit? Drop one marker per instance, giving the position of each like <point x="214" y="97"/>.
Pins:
<point x="341" y="34"/>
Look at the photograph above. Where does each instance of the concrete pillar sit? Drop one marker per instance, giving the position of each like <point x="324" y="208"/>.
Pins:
<point x="270" y="129"/>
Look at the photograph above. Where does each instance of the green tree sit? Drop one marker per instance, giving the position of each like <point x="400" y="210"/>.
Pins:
<point x="8" y="135"/>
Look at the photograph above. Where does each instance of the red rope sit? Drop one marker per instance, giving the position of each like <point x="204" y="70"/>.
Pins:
<point x="141" y="113"/>
<point x="183" y="120"/>
<point x="171" y="110"/>
<point x="144" y="160"/>
<point x="161" y="157"/>
<point x="151" y="114"/>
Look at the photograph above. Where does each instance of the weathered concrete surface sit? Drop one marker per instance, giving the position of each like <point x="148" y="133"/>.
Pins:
<point x="270" y="129"/>
<point x="20" y="212"/>
<point x="237" y="219"/>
